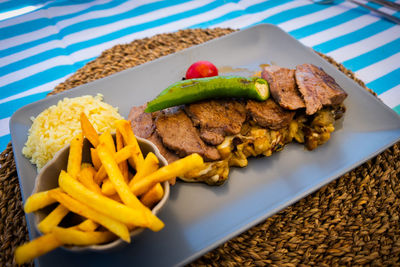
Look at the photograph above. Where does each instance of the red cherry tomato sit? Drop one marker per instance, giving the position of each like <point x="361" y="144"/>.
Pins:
<point x="201" y="69"/>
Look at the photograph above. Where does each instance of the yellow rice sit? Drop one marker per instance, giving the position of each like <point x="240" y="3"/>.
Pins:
<point x="54" y="127"/>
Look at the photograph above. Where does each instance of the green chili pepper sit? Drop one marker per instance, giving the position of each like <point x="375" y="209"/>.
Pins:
<point x="192" y="90"/>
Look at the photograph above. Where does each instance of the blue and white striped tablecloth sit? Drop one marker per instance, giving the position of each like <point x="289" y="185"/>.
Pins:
<point x="44" y="42"/>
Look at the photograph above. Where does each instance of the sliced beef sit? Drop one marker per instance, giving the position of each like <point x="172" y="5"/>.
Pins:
<point x="283" y="88"/>
<point x="169" y="155"/>
<point x="217" y="118"/>
<point x="141" y="122"/>
<point x="317" y="88"/>
<point x="143" y="126"/>
<point x="178" y="133"/>
<point x="269" y="114"/>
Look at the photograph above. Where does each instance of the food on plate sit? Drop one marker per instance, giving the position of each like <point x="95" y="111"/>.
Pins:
<point x="180" y="135"/>
<point x="54" y="218"/>
<point x="269" y="114"/>
<point x="149" y="198"/>
<point x="201" y="69"/>
<point x="217" y="119"/>
<point x="167" y="173"/>
<point x="75" y="155"/>
<point x="317" y="88"/>
<point x="283" y="87"/>
<point x="189" y="91"/>
<point x="56" y="126"/>
<point x="38" y="201"/>
<point x="98" y="218"/>
<point x="304" y="105"/>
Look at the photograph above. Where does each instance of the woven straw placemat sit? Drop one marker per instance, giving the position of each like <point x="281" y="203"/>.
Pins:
<point x="352" y="221"/>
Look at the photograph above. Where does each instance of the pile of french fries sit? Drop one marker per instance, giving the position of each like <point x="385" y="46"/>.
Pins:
<point x="113" y="194"/>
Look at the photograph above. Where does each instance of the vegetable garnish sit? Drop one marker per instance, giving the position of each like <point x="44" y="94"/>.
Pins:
<point x="201" y="69"/>
<point x="192" y="90"/>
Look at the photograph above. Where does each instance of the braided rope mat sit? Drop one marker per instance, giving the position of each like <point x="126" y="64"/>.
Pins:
<point x="352" y="221"/>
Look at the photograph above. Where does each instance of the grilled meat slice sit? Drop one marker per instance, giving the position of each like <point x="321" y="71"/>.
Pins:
<point x="141" y="122"/>
<point x="217" y="118"/>
<point x="178" y="133"/>
<point x="169" y="155"/>
<point x="318" y="88"/>
<point x="269" y="114"/>
<point x="143" y="126"/>
<point x="212" y="136"/>
<point x="283" y="88"/>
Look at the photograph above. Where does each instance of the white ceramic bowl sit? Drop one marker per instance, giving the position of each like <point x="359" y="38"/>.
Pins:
<point x="48" y="179"/>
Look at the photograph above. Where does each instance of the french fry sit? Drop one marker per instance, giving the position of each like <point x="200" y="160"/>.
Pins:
<point x="86" y="165"/>
<point x="124" y="153"/>
<point x="152" y="196"/>
<point x="38" y="201"/>
<point x="115" y="197"/>
<point x="95" y="158"/>
<point x="92" y="170"/>
<point x="36" y="248"/>
<point x="119" y="140"/>
<point x="87" y="226"/>
<point x="119" y="157"/>
<point x="123" y="165"/>
<point x="107" y="139"/>
<point x="53" y="219"/>
<point x="150" y="165"/>
<point x="88" y="130"/>
<point x="115" y="176"/>
<point x="122" y="188"/>
<point x="79" y="208"/>
<point x="85" y="176"/>
<point x="69" y="236"/>
<point x="97" y="202"/>
<point x="107" y="188"/>
<point x="125" y="129"/>
<point x="75" y="155"/>
<point x="45" y="243"/>
<point x="165" y="173"/>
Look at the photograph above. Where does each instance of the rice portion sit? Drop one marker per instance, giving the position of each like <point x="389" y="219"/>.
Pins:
<point x="55" y="127"/>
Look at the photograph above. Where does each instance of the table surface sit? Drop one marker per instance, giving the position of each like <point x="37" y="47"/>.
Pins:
<point x="44" y="42"/>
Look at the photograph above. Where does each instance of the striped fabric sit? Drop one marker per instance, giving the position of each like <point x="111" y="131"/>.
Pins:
<point x="44" y="42"/>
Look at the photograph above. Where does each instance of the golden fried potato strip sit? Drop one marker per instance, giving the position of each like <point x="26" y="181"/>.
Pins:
<point x="107" y="188"/>
<point x="102" y="204"/>
<point x="36" y="248"/>
<point x="86" y="177"/>
<point x="38" y="201"/>
<point x="107" y="139"/>
<point x="119" y="157"/>
<point x="75" y="155"/>
<point x="95" y="158"/>
<point x="115" y="176"/>
<point x="153" y="196"/>
<point x="86" y="165"/>
<point x="79" y="208"/>
<point x="165" y="173"/>
<point x="124" y="127"/>
<point x="88" y="130"/>
<point x="45" y="243"/>
<point x="53" y="219"/>
<point x="87" y="225"/>
<point x="150" y="165"/>
<point x="69" y="236"/>
<point x="123" y="165"/>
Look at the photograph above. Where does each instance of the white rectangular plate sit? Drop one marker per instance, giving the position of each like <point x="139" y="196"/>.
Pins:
<point x="199" y="217"/>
